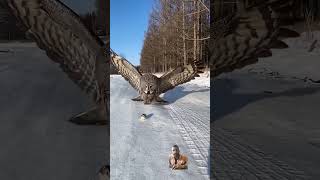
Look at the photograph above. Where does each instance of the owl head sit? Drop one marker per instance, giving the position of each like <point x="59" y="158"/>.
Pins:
<point x="148" y="88"/>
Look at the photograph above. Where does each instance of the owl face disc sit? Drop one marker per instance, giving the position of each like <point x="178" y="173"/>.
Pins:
<point x="148" y="88"/>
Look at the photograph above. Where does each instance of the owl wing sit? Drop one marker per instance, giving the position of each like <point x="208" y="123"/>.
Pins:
<point x="179" y="75"/>
<point x="126" y="69"/>
<point x="59" y="31"/>
<point x="241" y="38"/>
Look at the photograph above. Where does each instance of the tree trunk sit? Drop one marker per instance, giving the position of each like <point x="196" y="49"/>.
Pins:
<point x="154" y="64"/>
<point x="195" y="31"/>
<point x="198" y="31"/>
<point x="184" y="34"/>
<point x="165" y="54"/>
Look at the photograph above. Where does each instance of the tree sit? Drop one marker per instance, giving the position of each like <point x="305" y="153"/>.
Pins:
<point x="9" y="27"/>
<point x="177" y="33"/>
<point x="103" y="7"/>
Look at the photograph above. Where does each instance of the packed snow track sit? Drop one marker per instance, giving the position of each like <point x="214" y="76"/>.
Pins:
<point x="37" y="140"/>
<point x="140" y="149"/>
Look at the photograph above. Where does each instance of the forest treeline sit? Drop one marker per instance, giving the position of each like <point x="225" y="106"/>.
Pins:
<point x="178" y="33"/>
<point x="96" y="21"/>
<point x="301" y="8"/>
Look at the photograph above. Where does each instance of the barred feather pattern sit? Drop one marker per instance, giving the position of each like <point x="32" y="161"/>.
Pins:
<point x="126" y="69"/>
<point x="60" y="32"/>
<point x="249" y="34"/>
<point x="179" y="75"/>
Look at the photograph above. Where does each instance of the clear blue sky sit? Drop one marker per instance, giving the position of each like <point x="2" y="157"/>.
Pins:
<point x="128" y="23"/>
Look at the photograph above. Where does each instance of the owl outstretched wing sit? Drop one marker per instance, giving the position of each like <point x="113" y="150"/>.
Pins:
<point x="126" y="69"/>
<point x="241" y="38"/>
<point x="60" y="32"/>
<point x="179" y="75"/>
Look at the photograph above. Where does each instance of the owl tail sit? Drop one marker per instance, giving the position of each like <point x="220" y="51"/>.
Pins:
<point x="95" y="116"/>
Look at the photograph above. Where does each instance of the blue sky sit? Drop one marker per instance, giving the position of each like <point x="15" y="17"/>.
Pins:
<point x="128" y="23"/>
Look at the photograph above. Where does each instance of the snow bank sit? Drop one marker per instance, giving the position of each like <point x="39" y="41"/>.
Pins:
<point x="304" y="41"/>
<point x="203" y="80"/>
<point x="295" y="61"/>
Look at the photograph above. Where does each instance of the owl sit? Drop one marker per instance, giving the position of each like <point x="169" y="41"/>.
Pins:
<point x="66" y="40"/>
<point x="250" y="32"/>
<point x="150" y="86"/>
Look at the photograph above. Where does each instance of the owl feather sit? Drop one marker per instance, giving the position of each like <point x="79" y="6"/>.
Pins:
<point x="63" y="36"/>
<point x="239" y="39"/>
<point x="126" y="69"/>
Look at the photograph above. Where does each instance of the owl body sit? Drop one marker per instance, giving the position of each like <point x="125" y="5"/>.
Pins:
<point x="149" y="88"/>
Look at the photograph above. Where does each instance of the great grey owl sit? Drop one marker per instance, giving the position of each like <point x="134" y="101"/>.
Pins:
<point x="66" y="40"/>
<point x="150" y="86"/>
<point x="241" y="37"/>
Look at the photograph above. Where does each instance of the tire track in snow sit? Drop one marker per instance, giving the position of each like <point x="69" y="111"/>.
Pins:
<point x="195" y="130"/>
<point x="235" y="159"/>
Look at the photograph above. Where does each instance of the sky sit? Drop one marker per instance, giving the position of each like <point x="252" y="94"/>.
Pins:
<point x="128" y="23"/>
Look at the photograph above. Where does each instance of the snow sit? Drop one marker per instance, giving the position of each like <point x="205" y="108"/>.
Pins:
<point x="271" y="107"/>
<point x="295" y="61"/>
<point x="140" y="149"/>
<point x="304" y="41"/>
<point x="38" y="98"/>
<point x="37" y="141"/>
<point x="202" y="81"/>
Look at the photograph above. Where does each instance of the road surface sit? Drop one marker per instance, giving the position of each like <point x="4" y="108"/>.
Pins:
<point x="140" y="150"/>
<point x="37" y="141"/>
<point x="267" y="117"/>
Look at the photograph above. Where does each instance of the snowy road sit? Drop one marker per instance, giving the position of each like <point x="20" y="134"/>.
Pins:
<point x="140" y="150"/>
<point x="37" y="141"/>
<point x="265" y="128"/>
<point x="267" y="117"/>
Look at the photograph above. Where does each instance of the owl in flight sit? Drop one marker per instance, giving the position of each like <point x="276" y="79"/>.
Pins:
<point x="66" y="40"/>
<point x="150" y="86"/>
<point x="250" y="32"/>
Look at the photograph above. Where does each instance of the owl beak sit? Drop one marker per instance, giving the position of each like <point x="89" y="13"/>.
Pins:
<point x="147" y="90"/>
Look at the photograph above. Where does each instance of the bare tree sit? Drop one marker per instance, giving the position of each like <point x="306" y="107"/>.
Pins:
<point x="177" y="32"/>
<point x="102" y="13"/>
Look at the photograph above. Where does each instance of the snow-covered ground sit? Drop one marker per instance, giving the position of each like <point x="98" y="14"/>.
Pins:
<point x="140" y="150"/>
<point x="295" y="61"/>
<point x="37" y="141"/>
<point x="267" y="116"/>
